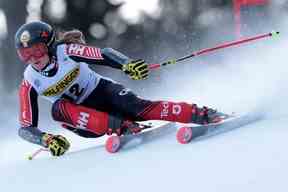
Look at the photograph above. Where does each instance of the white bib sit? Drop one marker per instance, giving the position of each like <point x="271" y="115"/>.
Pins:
<point x="72" y="79"/>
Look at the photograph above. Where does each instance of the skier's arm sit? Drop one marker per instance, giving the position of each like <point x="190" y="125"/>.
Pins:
<point x="29" y="131"/>
<point x="29" y="114"/>
<point x="93" y="55"/>
<point x="136" y="69"/>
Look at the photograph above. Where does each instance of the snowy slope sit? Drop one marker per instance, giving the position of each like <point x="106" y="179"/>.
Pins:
<point x="252" y="158"/>
<point x="249" y="159"/>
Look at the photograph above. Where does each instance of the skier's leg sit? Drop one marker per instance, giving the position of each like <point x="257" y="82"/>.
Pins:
<point x="130" y="106"/>
<point x="115" y="99"/>
<point x="181" y="112"/>
<point x="83" y="120"/>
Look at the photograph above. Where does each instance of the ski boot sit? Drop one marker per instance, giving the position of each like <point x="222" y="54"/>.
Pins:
<point x="202" y="116"/>
<point x="113" y="143"/>
<point x="126" y="128"/>
<point x="205" y="115"/>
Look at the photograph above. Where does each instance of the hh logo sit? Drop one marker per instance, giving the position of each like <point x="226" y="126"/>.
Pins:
<point x="82" y="120"/>
<point x="84" y="51"/>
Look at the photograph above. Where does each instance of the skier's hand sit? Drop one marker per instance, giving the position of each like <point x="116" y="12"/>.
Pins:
<point x="56" y="144"/>
<point x="137" y="69"/>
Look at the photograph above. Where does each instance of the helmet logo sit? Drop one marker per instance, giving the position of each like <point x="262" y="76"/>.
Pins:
<point x="44" y="34"/>
<point x="25" y="38"/>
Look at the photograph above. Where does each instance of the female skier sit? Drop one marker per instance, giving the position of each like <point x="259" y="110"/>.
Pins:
<point x="85" y="102"/>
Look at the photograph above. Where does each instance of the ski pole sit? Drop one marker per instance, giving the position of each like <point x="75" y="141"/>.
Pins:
<point x="33" y="155"/>
<point x="221" y="46"/>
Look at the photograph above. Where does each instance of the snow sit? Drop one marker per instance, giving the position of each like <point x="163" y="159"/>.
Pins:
<point x="251" y="158"/>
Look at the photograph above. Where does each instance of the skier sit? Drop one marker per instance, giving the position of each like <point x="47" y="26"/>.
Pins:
<point x="86" y="103"/>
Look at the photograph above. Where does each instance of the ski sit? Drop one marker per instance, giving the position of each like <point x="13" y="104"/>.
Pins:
<point x="187" y="133"/>
<point x="115" y="143"/>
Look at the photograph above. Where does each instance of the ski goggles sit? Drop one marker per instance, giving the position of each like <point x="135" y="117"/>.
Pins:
<point x="36" y="51"/>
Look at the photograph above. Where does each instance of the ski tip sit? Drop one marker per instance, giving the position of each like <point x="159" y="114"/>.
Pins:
<point x="184" y="135"/>
<point x="112" y="144"/>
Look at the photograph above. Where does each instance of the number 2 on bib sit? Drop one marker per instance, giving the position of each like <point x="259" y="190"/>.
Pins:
<point x="74" y="92"/>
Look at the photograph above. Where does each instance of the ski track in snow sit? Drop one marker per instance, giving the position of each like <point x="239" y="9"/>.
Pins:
<point x="250" y="158"/>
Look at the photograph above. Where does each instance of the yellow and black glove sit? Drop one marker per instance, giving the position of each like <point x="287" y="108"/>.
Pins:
<point x="137" y="69"/>
<point x="56" y="144"/>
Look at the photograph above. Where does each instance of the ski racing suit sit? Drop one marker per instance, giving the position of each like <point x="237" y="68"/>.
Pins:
<point x="86" y="102"/>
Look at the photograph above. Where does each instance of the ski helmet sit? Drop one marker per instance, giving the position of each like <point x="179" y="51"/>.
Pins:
<point x="34" y="32"/>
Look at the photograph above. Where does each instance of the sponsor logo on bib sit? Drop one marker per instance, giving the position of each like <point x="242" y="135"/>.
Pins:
<point x="61" y="85"/>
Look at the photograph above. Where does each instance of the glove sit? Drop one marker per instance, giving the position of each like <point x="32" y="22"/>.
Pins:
<point x="136" y="69"/>
<point x="56" y="144"/>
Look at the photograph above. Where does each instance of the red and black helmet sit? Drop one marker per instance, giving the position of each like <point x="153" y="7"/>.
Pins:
<point x="34" y="32"/>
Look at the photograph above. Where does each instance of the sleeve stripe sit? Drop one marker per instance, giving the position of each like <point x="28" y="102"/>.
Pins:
<point x="83" y="51"/>
<point x="98" y="53"/>
<point x="26" y="109"/>
<point x="25" y="104"/>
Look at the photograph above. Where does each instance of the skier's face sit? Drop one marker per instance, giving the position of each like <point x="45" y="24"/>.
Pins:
<point x="36" y="55"/>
